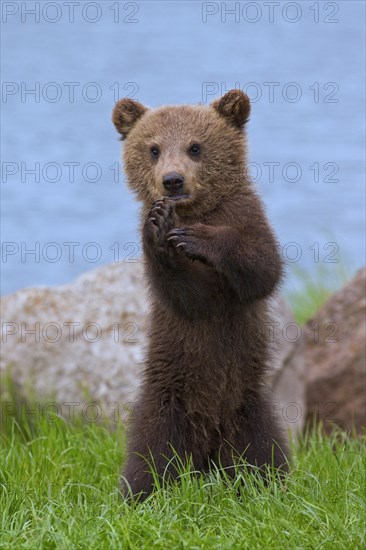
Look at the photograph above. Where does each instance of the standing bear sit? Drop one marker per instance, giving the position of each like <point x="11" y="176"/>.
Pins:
<point x="211" y="264"/>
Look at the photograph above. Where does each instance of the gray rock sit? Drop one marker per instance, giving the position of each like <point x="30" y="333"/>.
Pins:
<point x="335" y="355"/>
<point x="86" y="343"/>
<point x="286" y="375"/>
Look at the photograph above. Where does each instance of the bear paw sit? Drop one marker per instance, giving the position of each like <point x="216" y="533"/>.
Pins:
<point x="189" y="241"/>
<point x="160" y="221"/>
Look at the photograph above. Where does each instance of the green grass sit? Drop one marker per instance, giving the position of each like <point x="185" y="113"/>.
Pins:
<point x="59" y="490"/>
<point x="314" y="290"/>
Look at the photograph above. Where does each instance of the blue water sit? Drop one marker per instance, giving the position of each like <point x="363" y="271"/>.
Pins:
<point x="311" y="127"/>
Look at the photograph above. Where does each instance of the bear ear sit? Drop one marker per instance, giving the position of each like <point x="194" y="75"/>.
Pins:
<point x="126" y="113"/>
<point x="234" y="106"/>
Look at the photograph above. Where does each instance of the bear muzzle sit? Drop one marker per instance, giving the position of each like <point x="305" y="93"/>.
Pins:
<point x="173" y="183"/>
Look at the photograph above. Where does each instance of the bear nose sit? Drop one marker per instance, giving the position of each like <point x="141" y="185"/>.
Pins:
<point x="173" y="181"/>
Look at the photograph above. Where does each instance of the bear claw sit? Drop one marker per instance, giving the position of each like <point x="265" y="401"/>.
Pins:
<point x="183" y="239"/>
<point x="160" y="220"/>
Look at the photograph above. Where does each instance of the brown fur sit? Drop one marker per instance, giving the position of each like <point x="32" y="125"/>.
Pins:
<point x="211" y="262"/>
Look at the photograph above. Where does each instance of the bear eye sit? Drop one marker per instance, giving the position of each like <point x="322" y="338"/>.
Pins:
<point x="155" y="151"/>
<point x="195" y="149"/>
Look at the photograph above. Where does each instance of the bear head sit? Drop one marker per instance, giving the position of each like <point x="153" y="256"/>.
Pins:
<point x="193" y="153"/>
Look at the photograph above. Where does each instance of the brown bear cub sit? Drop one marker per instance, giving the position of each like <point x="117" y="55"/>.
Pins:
<point x="211" y="263"/>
